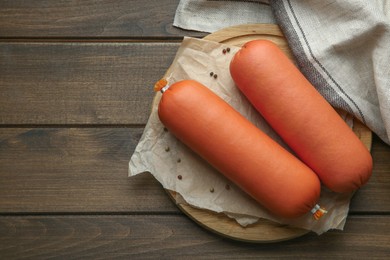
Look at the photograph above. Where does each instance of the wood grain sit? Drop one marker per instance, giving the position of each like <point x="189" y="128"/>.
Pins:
<point x="263" y="231"/>
<point x="379" y="184"/>
<point x="80" y="83"/>
<point x="74" y="170"/>
<point x="89" y="18"/>
<point x="85" y="170"/>
<point x="175" y="237"/>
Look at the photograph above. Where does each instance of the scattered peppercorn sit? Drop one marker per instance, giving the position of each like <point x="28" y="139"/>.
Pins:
<point x="215" y="76"/>
<point x="211" y="74"/>
<point x="179" y="160"/>
<point x="167" y="149"/>
<point x="224" y="51"/>
<point x="211" y="190"/>
<point x="180" y="177"/>
<point x="228" y="49"/>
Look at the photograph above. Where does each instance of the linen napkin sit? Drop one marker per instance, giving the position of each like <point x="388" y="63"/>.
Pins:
<point x="341" y="46"/>
<point x="210" y="16"/>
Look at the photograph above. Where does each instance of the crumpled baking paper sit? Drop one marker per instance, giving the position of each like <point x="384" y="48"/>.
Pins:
<point x="179" y="169"/>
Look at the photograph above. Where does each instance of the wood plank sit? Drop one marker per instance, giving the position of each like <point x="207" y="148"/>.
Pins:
<point x="74" y="170"/>
<point x="175" y="236"/>
<point x="80" y="83"/>
<point x="85" y="170"/>
<point x="89" y="18"/>
<point x="378" y="186"/>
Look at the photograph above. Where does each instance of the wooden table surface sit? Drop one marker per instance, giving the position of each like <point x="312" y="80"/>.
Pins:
<point x="76" y="82"/>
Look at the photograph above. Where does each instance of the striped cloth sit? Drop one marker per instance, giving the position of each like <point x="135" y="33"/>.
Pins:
<point x="341" y="46"/>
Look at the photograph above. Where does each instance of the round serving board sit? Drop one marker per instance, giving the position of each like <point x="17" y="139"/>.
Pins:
<point x="263" y="231"/>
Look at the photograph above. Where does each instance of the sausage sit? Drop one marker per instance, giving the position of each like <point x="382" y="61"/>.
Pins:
<point x="238" y="149"/>
<point x="301" y="116"/>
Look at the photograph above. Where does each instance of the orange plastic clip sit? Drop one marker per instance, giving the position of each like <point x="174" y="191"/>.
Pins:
<point x="318" y="212"/>
<point x="160" y="84"/>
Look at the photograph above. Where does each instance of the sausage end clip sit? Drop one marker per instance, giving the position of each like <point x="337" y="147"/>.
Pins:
<point x="161" y="85"/>
<point x="318" y="212"/>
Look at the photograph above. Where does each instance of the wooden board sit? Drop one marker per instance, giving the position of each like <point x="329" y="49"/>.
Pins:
<point x="99" y="83"/>
<point x="263" y="231"/>
<point x="174" y="237"/>
<point x="69" y="170"/>
<point x="75" y="20"/>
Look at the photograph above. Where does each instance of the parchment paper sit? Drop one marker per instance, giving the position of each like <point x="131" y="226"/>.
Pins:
<point x="199" y="185"/>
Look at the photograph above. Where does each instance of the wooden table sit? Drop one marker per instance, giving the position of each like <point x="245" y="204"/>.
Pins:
<point x="76" y="82"/>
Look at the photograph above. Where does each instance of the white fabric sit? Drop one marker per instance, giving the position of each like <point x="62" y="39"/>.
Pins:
<point x="210" y="16"/>
<point x="342" y="46"/>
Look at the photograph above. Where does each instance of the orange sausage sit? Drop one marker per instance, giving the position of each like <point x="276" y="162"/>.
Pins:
<point x="301" y="116"/>
<point x="238" y="149"/>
